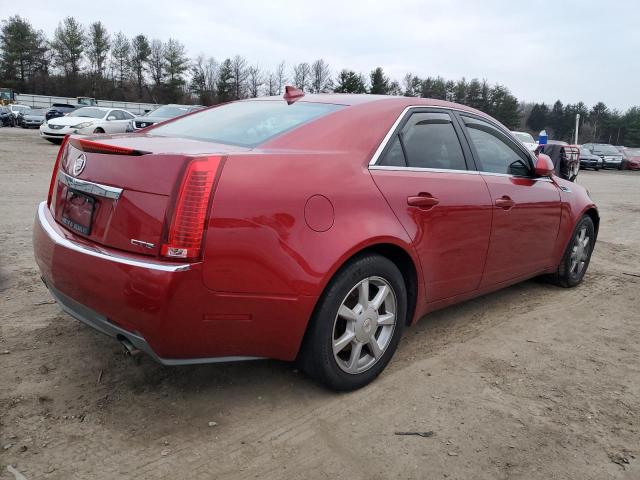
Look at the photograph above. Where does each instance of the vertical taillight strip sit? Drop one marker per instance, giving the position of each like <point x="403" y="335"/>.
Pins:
<point x="54" y="174"/>
<point x="191" y="210"/>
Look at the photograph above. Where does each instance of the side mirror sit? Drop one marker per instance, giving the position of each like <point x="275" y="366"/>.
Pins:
<point x="111" y="118"/>
<point x="544" y="166"/>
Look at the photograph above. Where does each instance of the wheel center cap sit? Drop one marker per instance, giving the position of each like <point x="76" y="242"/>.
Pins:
<point x="366" y="325"/>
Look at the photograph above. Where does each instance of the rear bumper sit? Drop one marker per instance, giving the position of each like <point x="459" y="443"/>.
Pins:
<point x="163" y="308"/>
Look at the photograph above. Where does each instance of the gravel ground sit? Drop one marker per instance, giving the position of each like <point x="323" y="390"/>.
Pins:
<point x="533" y="382"/>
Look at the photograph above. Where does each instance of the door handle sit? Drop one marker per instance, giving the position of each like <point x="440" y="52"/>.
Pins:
<point x="505" y="202"/>
<point x="422" y="200"/>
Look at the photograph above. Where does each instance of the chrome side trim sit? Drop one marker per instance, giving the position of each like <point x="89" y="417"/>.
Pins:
<point x="386" y="138"/>
<point x="89" y="187"/>
<point x="418" y="169"/>
<point x="101" y="254"/>
<point x="494" y="174"/>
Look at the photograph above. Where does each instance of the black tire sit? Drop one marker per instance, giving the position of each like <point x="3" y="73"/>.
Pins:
<point x="597" y="169"/>
<point x="317" y="353"/>
<point x="567" y="275"/>
<point x="98" y="130"/>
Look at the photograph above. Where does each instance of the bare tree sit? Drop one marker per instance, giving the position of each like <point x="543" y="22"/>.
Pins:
<point x="239" y="72"/>
<point x="302" y="76"/>
<point x="204" y="75"/>
<point x="272" y="84"/>
<point x="320" y="77"/>
<point x="255" y="81"/>
<point x="156" y="62"/>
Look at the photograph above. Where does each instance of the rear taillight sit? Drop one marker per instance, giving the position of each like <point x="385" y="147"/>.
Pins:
<point x="54" y="174"/>
<point x="186" y="228"/>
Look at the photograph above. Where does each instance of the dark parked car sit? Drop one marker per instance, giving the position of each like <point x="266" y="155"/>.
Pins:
<point x="31" y="118"/>
<point x="281" y="228"/>
<point x="610" y="155"/>
<point x="631" y="158"/>
<point x="6" y="117"/>
<point x="160" y="115"/>
<point x="59" y="110"/>
<point x="589" y="160"/>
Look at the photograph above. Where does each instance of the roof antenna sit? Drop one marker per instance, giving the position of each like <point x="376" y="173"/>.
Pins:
<point x="292" y="94"/>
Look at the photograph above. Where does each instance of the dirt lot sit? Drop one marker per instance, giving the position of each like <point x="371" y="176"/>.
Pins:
<point x="534" y="382"/>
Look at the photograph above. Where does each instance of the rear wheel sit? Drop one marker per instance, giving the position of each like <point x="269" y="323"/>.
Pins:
<point x="357" y="324"/>
<point x="577" y="256"/>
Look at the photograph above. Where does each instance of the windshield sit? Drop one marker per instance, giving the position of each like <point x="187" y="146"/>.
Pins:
<point x="245" y="123"/>
<point x="606" y="150"/>
<point x="584" y="151"/>
<point x="88" y="112"/>
<point x="20" y="108"/>
<point x="524" y="137"/>
<point x="632" y="152"/>
<point x="168" y="112"/>
<point x="36" y="112"/>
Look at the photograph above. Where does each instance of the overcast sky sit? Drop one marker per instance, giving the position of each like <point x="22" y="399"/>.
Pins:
<point x="571" y="50"/>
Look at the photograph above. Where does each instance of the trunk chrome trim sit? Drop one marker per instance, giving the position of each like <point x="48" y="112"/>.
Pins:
<point x="101" y="254"/>
<point x="85" y="186"/>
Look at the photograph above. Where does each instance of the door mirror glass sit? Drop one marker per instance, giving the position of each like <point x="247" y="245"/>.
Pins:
<point x="544" y="166"/>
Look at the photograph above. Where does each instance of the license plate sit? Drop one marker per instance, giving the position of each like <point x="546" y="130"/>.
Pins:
<point x="77" y="212"/>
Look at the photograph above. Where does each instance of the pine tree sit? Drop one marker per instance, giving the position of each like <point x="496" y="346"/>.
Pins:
<point x="379" y="82"/>
<point x="349" y="81"/>
<point x="68" y="46"/>
<point x="225" y="90"/>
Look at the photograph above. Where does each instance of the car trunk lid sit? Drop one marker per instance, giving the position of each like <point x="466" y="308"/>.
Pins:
<point x="118" y="191"/>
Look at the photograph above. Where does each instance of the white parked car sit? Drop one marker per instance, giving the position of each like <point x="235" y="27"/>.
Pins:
<point x="86" y="121"/>
<point x="527" y="140"/>
<point x="16" y="109"/>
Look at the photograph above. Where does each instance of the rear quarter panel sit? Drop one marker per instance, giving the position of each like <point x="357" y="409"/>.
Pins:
<point x="259" y="240"/>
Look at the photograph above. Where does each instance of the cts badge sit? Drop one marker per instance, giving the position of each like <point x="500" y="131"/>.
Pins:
<point x="78" y="165"/>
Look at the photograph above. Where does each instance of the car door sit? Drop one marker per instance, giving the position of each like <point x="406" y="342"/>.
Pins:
<point x="428" y="178"/>
<point x="119" y="125"/>
<point x="526" y="209"/>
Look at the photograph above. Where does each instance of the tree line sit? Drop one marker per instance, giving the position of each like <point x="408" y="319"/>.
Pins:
<point x="91" y="61"/>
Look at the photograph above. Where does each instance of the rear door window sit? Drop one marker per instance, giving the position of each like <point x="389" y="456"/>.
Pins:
<point x="247" y="123"/>
<point x="430" y="141"/>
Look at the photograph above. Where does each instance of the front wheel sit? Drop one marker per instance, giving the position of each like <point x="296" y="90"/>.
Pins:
<point x="577" y="256"/>
<point x="357" y="324"/>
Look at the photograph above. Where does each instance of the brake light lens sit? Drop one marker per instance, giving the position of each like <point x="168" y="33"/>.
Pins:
<point x="186" y="229"/>
<point x="54" y="174"/>
<point x="90" y="146"/>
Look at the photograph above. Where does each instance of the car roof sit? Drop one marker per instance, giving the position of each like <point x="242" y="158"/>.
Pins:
<point x="349" y="99"/>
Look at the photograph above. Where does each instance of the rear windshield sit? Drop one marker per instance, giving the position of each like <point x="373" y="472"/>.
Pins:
<point x="246" y="124"/>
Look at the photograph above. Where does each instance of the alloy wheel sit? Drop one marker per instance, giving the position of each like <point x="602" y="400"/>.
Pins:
<point x="579" y="252"/>
<point x="364" y="325"/>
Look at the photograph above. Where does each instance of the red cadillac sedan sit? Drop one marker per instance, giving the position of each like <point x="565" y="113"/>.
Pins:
<point x="310" y="227"/>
